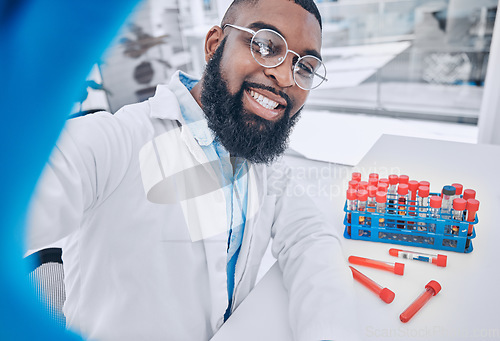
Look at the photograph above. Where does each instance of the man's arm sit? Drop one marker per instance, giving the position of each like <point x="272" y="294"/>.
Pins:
<point x="318" y="281"/>
<point x="76" y="178"/>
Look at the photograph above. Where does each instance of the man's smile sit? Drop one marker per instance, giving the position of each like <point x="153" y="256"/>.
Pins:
<point x="265" y="104"/>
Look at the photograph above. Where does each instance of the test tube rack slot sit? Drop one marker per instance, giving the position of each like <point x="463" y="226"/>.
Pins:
<point x="401" y="224"/>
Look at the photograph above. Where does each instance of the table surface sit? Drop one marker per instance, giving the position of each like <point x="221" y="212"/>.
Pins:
<point x="467" y="306"/>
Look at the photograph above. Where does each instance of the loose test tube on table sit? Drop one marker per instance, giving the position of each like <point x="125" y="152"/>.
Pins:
<point x="436" y="259"/>
<point x="397" y="268"/>
<point x="431" y="289"/>
<point x="385" y="294"/>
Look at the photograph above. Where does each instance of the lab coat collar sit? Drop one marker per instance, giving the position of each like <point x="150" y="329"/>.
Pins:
<point x="176" y="92"/>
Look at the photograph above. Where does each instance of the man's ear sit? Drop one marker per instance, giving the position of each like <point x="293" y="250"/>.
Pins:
<point x="212" y="40"/>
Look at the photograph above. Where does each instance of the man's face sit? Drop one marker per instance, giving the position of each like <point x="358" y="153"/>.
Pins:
<point x="233" y="81"/>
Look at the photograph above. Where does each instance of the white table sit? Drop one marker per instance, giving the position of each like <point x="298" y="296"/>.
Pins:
<point x="467" y="306"/>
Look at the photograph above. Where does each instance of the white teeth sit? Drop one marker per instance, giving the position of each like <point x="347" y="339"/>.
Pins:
<point x="264" y="101"/>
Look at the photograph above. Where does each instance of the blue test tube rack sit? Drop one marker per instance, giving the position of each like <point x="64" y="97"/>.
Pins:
<point x="409" y="229"/>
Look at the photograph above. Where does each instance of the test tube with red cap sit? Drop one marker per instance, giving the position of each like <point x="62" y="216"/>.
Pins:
<point x="435" y="206"/>
<point x="472" y="208"/>
<point x="382" y="187"/>
<point x="424" y="183"/>
<point x="383" y="181"/>
<point x="459" y="206"/>
<point x="371" y="203"/>
<point x="412" y="201"/>
<point x="385" y="294"/>
<point x="458" y="190"/>
<point x="431" y="289"/>
<point x="392" y="192"/>
<point x="423" y="205"/>
<point x="356" y="176"/>
<point x="362" y="196"/>
<point x="353" y="184"/>
<point x="436" y="259"/>
<point x="362" y="185"/>
<point x="381" y="198"/>
<point x="403" y="179"/>
<point x="352" y="205"/>
<point x="396" y="268"/>
<point x="469" y="194"/>
<point x="402" y="201"/>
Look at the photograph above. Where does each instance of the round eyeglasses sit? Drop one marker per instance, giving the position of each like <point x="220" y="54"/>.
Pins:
<point x="270" y="49"/>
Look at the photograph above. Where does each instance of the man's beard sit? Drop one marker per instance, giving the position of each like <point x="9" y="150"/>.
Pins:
<point x="242" y="133"/>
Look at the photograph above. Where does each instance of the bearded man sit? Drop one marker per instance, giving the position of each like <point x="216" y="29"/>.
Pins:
<point x="168" y="206"/>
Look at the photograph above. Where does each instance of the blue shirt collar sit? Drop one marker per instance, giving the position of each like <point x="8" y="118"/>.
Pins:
<point x="181" y="85"/>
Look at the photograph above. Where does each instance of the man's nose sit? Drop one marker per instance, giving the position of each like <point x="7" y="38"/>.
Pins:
<point x="283" y="73"/>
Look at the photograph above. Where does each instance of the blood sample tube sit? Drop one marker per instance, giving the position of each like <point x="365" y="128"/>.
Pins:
<point x="435" y="205"/>
<point x="403" y="179"/>
<point x="469" y="194"/>
<point x="472" y="208"/>
<point x="381" y="198"/>
<point x="392" y="192"/>
<point x="439" y="260"/>
<point x="458" y="190"/>
<point x="402" y="202"/>
<point x="431" y="289"/>
<point x="362" y="198"/>
<point x="423" y="205"/>
<point x="353" y="184"/>
<point x="385" y="294"/>
<point x="371" y="203"/>
<point x="362" y="185"/>
<point x="412" y="201"/>
<point x="356" y="176"/>
<point x="447" y="195"/>
<point x="352" y="205"/>
<point x="459" y="206"/>
<point x="397" y="268"/>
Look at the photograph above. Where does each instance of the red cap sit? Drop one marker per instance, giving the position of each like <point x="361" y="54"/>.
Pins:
<point x="459" y="204"/>
<point x="436" y="201"/>
<point x="413" y="185"/>
<point x="459" y="188"/>
<point x="351" y="194"/>
<point x="403" y="179"/>
<point x="469" y="194"/>
<point x="372" y="190"/>
<point x="387" y="295"/>
<point x="403" y="189"/>
<point x="393" y="179"/>
<point x="362" y="195"/>
<point x="472" y="205"/>
<point x="373" y="175"/>
<point x="382" y="186"/>
<point x="423" y="191"/>
<point x="435" y="286"/>
<point x="381" y="197"/>
<point x="362" y="185"/>
<point x="440" y="260"/>
<point x="399" y="268"/>
<point x="353" y="184"/>
<point x="394" y="252"/>
<point x="372" y="182"/>
<point x="383" y="181"/>
<point x="356" y="176"/>
<point x="424" y="183"/>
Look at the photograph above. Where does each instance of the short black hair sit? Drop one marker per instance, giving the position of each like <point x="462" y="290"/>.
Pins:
<point x="308" y="5"/>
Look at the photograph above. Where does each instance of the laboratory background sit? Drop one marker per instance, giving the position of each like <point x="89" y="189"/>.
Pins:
<point x="410" y="68"/>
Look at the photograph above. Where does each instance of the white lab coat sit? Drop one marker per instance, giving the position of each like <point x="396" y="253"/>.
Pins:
<point x="143" y="264"/>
